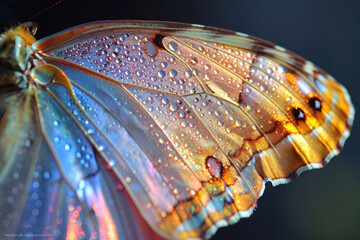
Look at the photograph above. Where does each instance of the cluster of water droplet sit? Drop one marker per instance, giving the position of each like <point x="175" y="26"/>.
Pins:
<point x="133" y="59"/>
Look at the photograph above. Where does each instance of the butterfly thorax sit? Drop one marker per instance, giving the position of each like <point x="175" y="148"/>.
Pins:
<point x="22" y="67"/>
<point x="15" y="57"/>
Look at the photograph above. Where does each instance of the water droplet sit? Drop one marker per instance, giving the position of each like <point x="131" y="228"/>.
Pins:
<point x="56" y="139"/>
<point x="207" y="77"/>
<point x="139" y="73"/>
<point x="27" y="143"/>
<point x="173" y="73"/>
<point x="35" y="184"/>
<point x="161" y="73"/>
<point x="188" y="73"/>
<point x="164" y="100"/>
<point x="193" y="60"/>
<point x="16" y="175"/>
<point x="46" y="175"/>
<point x="184" y="123"/>
<point x="56" y="123"/>
<point x="81" y="184"/>
<point x="173" y="107"/>
<point x="182" y="114"/>
<point x="173" y="46"/>
<point x="164" y="64"/>
<point x="67" y="147"/>
<point x="35" y="195"/>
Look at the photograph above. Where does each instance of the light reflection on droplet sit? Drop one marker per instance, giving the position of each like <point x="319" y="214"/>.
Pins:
<point x="67" y="147"/>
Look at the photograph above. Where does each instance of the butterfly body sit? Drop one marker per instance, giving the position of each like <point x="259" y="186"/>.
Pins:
<point x="188" y="121"/>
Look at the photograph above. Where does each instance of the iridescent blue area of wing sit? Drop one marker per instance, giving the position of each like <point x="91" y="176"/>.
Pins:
<point x="54" y="187"/>
<point x="50" y="204"/>
<point x="70" y="146"/>
<point x="118" y="115"/>
<point x="19" y="161"/>
<point x="123" y="155"/>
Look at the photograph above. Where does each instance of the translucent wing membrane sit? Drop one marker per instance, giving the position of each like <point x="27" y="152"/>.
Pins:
<point x="55" y="186"/>
<point x="166" y="127"/>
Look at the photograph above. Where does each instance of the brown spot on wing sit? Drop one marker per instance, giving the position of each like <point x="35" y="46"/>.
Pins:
<point x="158" y="41"/>
<point x="214" y="167"/>
<point x="152" y="44"/>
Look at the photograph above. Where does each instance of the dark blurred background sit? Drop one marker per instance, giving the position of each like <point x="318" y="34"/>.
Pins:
<point x="321" y="204"/>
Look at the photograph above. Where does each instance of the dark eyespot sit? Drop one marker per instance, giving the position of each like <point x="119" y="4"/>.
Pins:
<point x="315" y="104"/>
<point x="158" y="41"/>
<point x="299" y="114"/>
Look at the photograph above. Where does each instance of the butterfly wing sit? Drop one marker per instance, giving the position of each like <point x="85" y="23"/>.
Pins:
<point x="191" y="121"/>
<point x="54" y="185"/>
